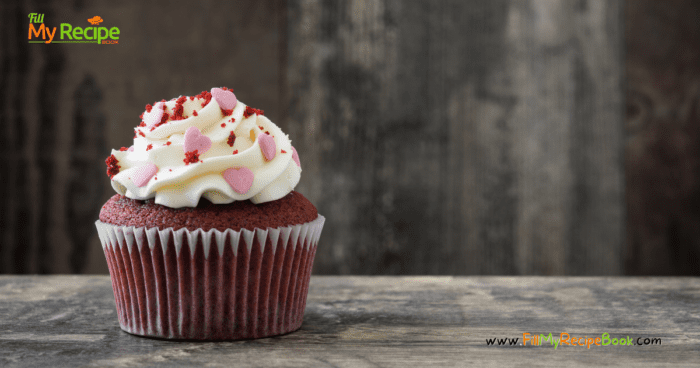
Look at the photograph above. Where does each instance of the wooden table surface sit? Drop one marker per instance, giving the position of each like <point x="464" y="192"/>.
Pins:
<point x="70" y="321"/>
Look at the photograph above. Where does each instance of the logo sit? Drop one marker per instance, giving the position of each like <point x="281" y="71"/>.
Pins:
<point x="71" y="34"/>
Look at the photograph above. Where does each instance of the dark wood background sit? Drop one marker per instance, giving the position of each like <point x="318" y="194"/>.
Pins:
<point x="437" y="137"/>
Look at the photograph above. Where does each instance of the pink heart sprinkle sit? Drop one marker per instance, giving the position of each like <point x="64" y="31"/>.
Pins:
<point x="194" y="140"/>
<point x="131" y="149"/>
<point x="268" y="146"/>
<point x="226" y="99"/>
<point x="295" y="156"/>
<point x="240" y="179"/>
<point x="152" y="118"/>
<point x="143" y="174"/>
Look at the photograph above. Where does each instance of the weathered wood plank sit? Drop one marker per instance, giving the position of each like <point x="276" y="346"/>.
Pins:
<point x="461" y="138"/>
<point x="375" y="321"/>
<point x="663" y="137"/>
<point x="438" y="137"/>
<point x="64" y="106"/>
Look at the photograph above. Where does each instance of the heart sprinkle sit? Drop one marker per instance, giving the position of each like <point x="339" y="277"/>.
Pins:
<point x="225" y="98"/>
<point x="143" y="174"/>
<point x="267" y="146"/>
<point x="195" y="141"/>
<point x="153" y="117"/>
<point x="240" y="179"/>
<point x="295" y="156"/>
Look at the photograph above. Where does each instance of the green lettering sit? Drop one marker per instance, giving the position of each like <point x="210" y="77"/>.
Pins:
<point x="614" y="341"/>
<point x="552" y="340"/>
<point x="629" y="341"/>
<point x="605" y="339"/>
<point x="78" y="33"/>
<point x="66" y="32"/>
<point x="100" y="36"/>
<point x="114" y="33"/>
<point x="86" y="35"/>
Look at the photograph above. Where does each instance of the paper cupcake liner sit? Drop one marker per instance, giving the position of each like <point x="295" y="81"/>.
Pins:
<point x="210" y="285"/>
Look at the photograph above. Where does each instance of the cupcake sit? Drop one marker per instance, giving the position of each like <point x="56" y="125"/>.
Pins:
<point x="206" y="238"/>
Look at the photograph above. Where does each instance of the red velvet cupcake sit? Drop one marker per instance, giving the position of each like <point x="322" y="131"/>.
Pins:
<point x="206" y="238"/>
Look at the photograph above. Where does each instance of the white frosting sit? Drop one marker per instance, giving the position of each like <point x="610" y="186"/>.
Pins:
<point x="177" y="184"/>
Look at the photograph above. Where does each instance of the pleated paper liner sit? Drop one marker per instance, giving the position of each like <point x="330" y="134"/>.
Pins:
<point x="210" y="285"/>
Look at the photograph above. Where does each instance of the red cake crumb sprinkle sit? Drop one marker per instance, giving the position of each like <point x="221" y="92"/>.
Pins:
<point x="149" y="147"/>
<point x="223" y="125"/>
<point x="162" y="121"/>
<point x="227" y="112"/>
<point x="233" y="120"/>
<point x="231" y="139"/>
<point x="206" y="96"/>
<point x="141" y="116"/>
<point x="250" y="111"/>
<point x="267" y="132"/>
<point x="194" y="112"/>
<point x="191" y="98"/>
<point x="178" y="113"/>
<point x="112" y="166"/>
<point x="179" y="109"/>
<point x="260" y="126"/>
<point x="123" y="149"/>
<point x="149" y="108"/>
<point x="142" y="125"/>
<point x="207" y="99"/>
<point x="170" y="169"/>
<point x="141" y="134"/>
<point x="235" y="151"/>
<point x="168" y="143"/>
<point x="283" y="151"/>
<point x="191" y="157"/>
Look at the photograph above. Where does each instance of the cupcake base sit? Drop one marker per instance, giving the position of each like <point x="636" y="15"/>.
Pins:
<point x="213" y="285"/>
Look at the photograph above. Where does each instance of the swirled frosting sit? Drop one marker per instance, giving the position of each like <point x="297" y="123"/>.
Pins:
<point x="210" y="145"/>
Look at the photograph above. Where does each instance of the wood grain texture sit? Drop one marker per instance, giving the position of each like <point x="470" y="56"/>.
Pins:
<point x="375" y="322"/>
<point x="437" y="137"/>
<point x="446" y="137"/>
<point x="65" y="106"/>
<point x="663" y="137"/>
